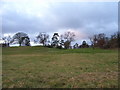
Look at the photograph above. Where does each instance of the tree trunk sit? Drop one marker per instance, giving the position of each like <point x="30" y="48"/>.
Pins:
<point x="43" y="44"/>
<point x="20" y="44"/>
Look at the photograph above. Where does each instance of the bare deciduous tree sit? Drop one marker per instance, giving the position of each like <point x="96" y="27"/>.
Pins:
<point x="68" y="38"/>
<point x="7" y="39"/>
<point x="42" y="38"/>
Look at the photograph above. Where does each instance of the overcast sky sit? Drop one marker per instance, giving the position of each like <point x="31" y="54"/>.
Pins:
<point x="83" y="18"/>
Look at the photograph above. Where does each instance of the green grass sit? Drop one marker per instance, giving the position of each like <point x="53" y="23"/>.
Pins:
<point x="40" y="67"/>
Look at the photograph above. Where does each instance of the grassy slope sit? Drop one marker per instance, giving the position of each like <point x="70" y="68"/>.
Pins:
<point x="49" y="67"/>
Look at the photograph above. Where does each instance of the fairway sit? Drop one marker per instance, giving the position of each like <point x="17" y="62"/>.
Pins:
<point x="42" y="67"/>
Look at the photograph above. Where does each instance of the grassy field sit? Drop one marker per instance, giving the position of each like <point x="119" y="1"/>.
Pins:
<point x="40" y="67"/>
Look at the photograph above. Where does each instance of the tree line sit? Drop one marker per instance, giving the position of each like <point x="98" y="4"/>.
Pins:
<point x="64" y="40"/>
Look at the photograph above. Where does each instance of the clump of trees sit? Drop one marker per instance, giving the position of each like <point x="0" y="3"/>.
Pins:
<point x="102" y="41"/>
<point x="19" y="38"/>
<point x="57" y="41"/>
<point x="84" y="45"/>
<point x="63" y="40"/>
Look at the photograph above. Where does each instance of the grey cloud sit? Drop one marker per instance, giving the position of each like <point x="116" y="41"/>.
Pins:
<point x="93" y="17"/>
<point x="81" y="14"/>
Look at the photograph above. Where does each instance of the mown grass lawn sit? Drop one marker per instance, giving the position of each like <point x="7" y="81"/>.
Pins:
<point x="41" y="67"/>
